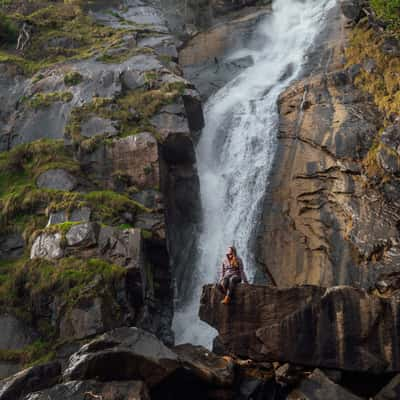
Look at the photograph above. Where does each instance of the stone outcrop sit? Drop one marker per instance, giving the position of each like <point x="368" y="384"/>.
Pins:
<point x="318" y="387"/>
<point x="128" y="363"/>
<point x="123" y="354"/>
<point x="325" y="220"/>
<point x="341" y="327"/>
<point x="206" y="58"/>
<point x="30" y="380"/>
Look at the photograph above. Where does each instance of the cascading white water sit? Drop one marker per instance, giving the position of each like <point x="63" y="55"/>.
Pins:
<point x="237" y="146"/>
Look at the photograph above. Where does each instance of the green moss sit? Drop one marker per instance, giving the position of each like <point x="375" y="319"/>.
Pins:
<point x="20" y="199"/>
<point x="43" y="100"/>
<point x="73" y="78"/>
<point x="69" y="24"/>
<point x="69" y="278"/>
<point x="143" y="101"/>
<point x="33" y="354"/>
<point x="383" y="81"/>
<point x="389" y="10"/>
<point x="125" y="226"/>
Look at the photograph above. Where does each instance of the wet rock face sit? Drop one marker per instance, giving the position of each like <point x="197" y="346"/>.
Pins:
<point x="324" y="219"/>
<point x="205" y="58"/>
<point x="340" y="328"/>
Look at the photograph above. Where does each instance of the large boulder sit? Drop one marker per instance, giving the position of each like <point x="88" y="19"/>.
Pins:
<point x="78" y="390"/>
<point x="208" y="367"/>
<point x="57" y="179"/>
<point x="319" y="387"/>
<point x="48" y="246"/>
<point x="29" y="380"/>
<point x="123" y="354"/>
<point x="341" y="327"/>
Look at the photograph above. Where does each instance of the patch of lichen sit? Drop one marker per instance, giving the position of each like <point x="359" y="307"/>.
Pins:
<point x="382" y="80"/>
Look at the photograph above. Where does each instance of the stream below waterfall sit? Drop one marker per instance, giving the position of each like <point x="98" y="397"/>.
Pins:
<point x="237" y="146"/>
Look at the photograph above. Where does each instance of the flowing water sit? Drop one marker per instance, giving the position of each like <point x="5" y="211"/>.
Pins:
<point x="237" y="147"/>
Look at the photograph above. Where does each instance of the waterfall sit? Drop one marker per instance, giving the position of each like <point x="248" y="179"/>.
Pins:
<point x="237" y="147"/>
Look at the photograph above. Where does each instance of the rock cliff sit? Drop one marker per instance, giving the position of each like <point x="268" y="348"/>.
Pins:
<point x="330" y="215"/>
<point x="98" y="180"/>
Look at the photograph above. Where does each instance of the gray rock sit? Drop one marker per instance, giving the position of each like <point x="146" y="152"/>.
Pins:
<point x="123" y="354"/>
<point x="14" y="333"/>
<point x="82" y="235"/>
<point x="76" y="215"/>
<point x="78" y="390"/>
<point x="122" y="247"/>
<point x="83" y="320"/>
<point x="58" y="179"/>
<point x="47" y="245"/>
<point x="149" y="198"/>
<point x="98" y="126"/>
<point x="11" y="246"/>
<point x="369" y="65"/>
<point x="163" y="45"/>
<point x="351" y="9"/>
<point x="30" y="380"/>
<point x="8" y="368"/>
<point x="391" y="46"/>
<point x="318" y="387"/>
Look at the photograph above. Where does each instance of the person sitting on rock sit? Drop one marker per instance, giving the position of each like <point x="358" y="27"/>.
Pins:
<point x="231" y="274"/>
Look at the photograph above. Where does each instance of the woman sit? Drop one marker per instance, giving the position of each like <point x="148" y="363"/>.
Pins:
<point x="231" y="274"/>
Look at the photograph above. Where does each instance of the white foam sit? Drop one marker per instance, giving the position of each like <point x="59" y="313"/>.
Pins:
<point x="237" y="147"/>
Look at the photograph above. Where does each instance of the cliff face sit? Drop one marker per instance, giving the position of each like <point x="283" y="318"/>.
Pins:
<point x="339" y="328"/>
<point x="98" y="182"/>
<point x="327" y="218"/>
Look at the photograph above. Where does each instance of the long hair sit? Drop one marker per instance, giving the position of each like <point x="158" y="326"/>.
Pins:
<point x="234" y="260"/>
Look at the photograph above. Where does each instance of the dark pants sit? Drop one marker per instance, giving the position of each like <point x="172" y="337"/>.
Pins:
<point x="229" y="283"/>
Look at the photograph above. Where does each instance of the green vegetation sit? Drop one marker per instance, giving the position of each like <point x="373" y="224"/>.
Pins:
<point x="36" y="353"/>
<point x="19" y="169"/>
<point x="73" y="78"/>
<point x="26" y="284"/>
<point x="144" y="102"/>
<point x="62" y="31"/>
<point x="43" y="100"/>
<point x="383" y="81"/>
<point x="388" y="10"/>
